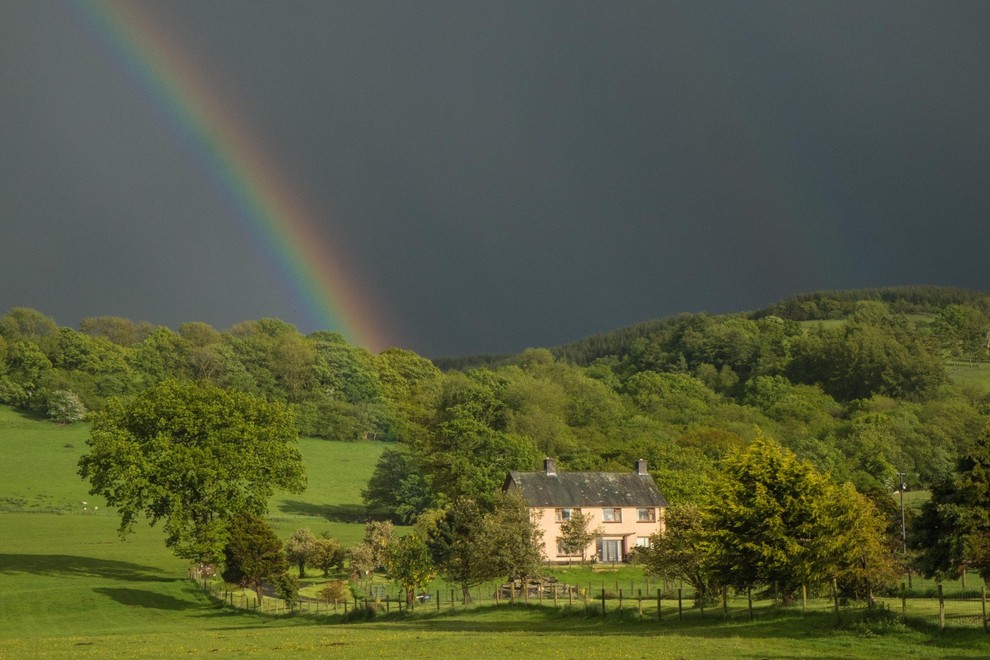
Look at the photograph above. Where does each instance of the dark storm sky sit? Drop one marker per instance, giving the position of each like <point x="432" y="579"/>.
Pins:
<point x="507" y="174"/>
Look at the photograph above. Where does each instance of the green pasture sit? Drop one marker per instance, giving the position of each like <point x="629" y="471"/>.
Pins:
<point x="970" y="373"/>
<point x="70" y="587"/>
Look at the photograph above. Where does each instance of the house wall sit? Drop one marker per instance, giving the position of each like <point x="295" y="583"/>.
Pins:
<point x="626" y="531"/>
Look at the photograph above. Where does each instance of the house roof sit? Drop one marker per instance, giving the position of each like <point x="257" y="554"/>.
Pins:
<point x="575" y="489"/>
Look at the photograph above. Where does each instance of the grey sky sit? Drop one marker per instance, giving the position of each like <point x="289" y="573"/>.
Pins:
<point x="508" y="174"/>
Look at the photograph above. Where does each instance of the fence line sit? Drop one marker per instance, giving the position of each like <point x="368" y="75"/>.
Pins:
<point x="958" y="610"/>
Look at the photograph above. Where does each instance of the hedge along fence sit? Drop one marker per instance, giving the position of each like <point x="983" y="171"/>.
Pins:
<point x="611" y="601"/>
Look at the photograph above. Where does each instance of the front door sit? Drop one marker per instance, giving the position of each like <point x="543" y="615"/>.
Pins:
<point x="611" y="551"/>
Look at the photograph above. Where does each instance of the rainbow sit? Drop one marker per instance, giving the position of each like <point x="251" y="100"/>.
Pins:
<point x="246" y="178"/>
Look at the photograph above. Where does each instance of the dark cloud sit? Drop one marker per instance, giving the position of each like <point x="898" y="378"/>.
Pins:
<point x="505" y="175"/>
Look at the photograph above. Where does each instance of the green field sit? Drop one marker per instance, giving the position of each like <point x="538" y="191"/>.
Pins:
<point x="70" y="587"/>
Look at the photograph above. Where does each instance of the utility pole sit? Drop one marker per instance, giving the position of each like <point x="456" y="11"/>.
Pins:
<point x="900" y="476"/>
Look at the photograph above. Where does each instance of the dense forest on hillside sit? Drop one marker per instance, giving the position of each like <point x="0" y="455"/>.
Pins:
<point x="854" y="381"/>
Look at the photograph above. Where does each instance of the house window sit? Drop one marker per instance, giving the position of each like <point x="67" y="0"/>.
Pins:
<point x="646" y="515"/>
<point x="565" y="551"/>
<point x="563" y="515"/>
<point x="643" y="542"/>
<point x="612" y="515"/>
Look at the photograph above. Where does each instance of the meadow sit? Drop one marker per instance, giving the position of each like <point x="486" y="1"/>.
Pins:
<point x="70" y="586"/>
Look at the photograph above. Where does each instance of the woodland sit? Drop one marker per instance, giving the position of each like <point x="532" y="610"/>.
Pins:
<point x="859" y="386"/>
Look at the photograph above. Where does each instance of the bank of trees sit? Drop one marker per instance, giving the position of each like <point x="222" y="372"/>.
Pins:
<point x="860" y="396"/>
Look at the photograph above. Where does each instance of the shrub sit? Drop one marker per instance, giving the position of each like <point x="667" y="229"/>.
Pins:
<point x="333" y="592"/>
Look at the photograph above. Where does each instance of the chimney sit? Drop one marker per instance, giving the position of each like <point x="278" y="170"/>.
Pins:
<point x="641" y="467"/>
<point x="550" y="465"/>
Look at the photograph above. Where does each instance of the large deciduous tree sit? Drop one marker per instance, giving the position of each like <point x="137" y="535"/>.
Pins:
<point x="775" y="521"/>
<point x="192" y="456"/>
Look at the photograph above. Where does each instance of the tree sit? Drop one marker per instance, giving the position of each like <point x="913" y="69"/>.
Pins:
<point x="409" y="564"/>
<point x="575" y="533"/>
<point x="65" y="407"/>
<point x="299" y="549"/>
<point x="396" y="489"/>
<point x="362" y="560"/>
<point x="510" y="539"/>
<point x="453" y="536"/>
<point x="775" y="521"/>
<point x="192" y="456"/>
<point x="378" y="535"/>
<point x="327" y="554"/>
<point x="253" y="554"/>
<point x="676" y="552"/>
<point x="953" y="530"/>
<point x="860" y="548"/>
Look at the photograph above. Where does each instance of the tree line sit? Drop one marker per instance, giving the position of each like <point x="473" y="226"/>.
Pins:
<point x="861" y="398"/>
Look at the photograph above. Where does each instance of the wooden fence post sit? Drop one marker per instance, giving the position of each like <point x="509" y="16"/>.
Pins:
<point x="804" y="598"/>
<point x="749" y="599"/>
<point x="725" y="601"/>
<point x="659" y="604"/>
<point x="903" y="599"/>
<point x="639" y="603"/>
<point x="835" y="598"/>
<point x="941" y="608"/>
<point x="620" y="600"/>
<point x="603" y="603"/>
<point x="680" y="607"/>
<point x="983" y="603"/>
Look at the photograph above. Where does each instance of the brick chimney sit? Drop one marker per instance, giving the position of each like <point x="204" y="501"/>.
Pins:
<point x="550" y="466"/>
<point x="641" y="467"/>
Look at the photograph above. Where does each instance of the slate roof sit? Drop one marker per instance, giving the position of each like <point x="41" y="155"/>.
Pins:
<point x="576" y="489"/>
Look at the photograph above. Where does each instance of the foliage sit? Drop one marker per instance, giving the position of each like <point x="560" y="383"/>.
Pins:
<point x="253" y="554"/>
<point x="193" y="456"/>
<point x="457" y="547"/>
<point x="65" y="407"/>
<point x="333" y="592"/>
<point x="409" y="564"/>
<point x="576" y="533"/>
<point x="379" y="535"/>
<point x="362" y="558"/>
<point x="675" y="553"/>
<point x="861" y="359"/>
<point x="510" y="539"/>
<point x="397" y="489"/>
<point x="300" y="549"/>
<point x="775" y="521"/>
<point x="326" y="555"/>
<point x="953" y="530"/>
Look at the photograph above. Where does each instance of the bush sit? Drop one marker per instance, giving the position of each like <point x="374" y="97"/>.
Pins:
<point x="65" y="407"/>
<point x="333" y="592"/>
<point x="876" y="621"/>
<point x="364" y="612"/>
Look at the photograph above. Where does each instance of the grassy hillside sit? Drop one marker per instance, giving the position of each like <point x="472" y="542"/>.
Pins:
<point x="70" y="587"/>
